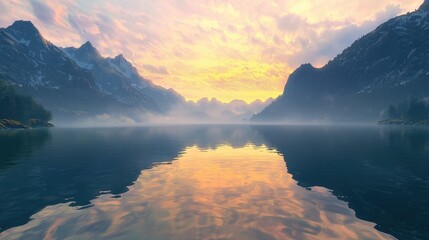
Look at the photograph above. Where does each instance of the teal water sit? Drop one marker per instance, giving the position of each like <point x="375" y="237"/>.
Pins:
<point x="215" y="182"/>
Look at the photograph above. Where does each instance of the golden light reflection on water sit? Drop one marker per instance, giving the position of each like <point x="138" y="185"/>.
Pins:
<point x="225" y="193"/>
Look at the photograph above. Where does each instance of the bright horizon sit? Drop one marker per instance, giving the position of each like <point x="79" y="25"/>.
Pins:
<point x="216" y="49"/>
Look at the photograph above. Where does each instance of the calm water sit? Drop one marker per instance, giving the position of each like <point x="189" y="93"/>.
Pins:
<point x="215" y="182"/>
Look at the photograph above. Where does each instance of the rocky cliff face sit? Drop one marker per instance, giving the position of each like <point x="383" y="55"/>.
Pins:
<point x="75" y="82"/>
<point x="384" y="67"/>
<point x="118" y="78"/>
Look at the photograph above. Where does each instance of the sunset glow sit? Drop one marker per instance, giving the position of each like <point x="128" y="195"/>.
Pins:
<point x="224" y="49"/>
<point x="226" y="189"/>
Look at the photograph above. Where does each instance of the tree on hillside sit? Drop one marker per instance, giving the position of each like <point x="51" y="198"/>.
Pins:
<point x="19" y="107"/>
<point x="412" y="109"/>
<point x="392" y="112"/>
<point x="416" y="110"/>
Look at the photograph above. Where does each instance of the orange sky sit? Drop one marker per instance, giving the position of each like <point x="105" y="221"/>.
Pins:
<point x="227" y="49"/>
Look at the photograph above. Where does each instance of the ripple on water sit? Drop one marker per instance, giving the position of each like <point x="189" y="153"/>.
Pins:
<point x="222" y="193"/>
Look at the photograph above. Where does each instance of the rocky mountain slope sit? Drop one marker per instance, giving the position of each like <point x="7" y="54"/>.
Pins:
<point x="118" y="78"/>
<point x="386" y="66"/>
<point x="75" y="83"/>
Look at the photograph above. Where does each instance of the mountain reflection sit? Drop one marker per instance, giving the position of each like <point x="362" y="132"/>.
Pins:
<point x="380" y="172"/>
<point x="80" y="164"/>
<point x="223" y="182"/>
<point x="18" y="144"/>
<point x="222" y="193"/>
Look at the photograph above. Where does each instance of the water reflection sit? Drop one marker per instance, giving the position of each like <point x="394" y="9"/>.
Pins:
<point x="226" y="193"/>
<point x="15" y="144"/>
<point x="381" y="172"/>
<point x="216" y="181"/>
<point x="78" y="165"/>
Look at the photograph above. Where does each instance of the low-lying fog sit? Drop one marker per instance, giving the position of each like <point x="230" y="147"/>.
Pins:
<point x="202" y="111"/>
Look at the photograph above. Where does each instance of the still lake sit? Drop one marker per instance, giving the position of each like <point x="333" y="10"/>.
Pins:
<point x="215" y="182"/>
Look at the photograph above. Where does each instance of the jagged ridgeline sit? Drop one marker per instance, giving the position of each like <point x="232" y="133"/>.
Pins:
<point x="76" y="83"/>
<point x="385" y="67"/>
<point x="16" y="107"/>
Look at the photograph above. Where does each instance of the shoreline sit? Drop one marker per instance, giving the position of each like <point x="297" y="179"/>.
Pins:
<point x="34" y="123"/>
<point x="404" y="122"/>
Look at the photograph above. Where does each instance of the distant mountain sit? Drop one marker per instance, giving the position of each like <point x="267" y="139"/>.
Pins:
<point x="233" y="111"/>
<point x="386" y="66"/>
<point x="75" y="83"/>
<point x="213" y="110"/>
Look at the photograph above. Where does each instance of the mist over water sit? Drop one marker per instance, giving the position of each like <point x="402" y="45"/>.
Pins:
<point x="190" y="112"/>
<point x="215" y="181"/>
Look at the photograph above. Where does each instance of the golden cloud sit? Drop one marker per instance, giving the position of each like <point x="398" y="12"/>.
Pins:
<point x="226" y="49"/>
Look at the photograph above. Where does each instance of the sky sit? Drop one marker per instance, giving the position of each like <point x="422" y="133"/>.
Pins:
<point x="226" y="49"/>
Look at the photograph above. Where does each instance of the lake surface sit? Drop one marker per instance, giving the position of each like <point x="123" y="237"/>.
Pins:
<point x="215" y="182"/>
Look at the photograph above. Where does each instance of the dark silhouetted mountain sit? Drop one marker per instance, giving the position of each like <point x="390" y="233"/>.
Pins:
<point x="384" y="67"/>
<point x="38" y="68"/>
<point x="71" y="87"/>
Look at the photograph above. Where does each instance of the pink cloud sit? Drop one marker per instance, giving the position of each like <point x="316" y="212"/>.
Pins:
<point x="198" y="40"/>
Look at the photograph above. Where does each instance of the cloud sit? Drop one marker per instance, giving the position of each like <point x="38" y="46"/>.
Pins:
<point x="43" y="11"/>
<point x="84" y="26"/>
<point x="225" y="49"/>
<point x="389" y="11"/>
<point x="4" y="8"/>
<point x="154" y="69"/>
<point x="331" y="42"/>
<point x="291" y="23"/>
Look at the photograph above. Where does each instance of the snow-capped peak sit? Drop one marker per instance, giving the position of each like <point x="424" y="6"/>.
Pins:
<point x="124" y="66"/>
<point x="25" y="31"/>
<point x="88" y="53"/>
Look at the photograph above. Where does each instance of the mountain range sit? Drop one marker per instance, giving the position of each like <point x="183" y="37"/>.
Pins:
<point x="213" y="111"/>
<point x="75" y="83"/>
<point x="387" y="66"/>
<point x="80" y="85"/>
<point x="118" y="78"/>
